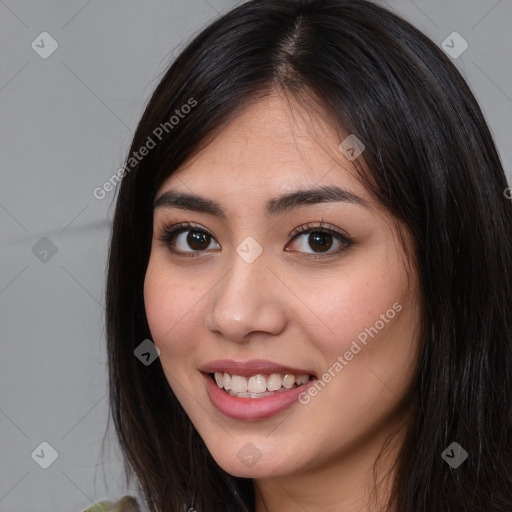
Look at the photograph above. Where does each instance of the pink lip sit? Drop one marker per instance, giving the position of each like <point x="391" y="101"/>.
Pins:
<point x="252" y="408"/>
<point x="252" y="367"/>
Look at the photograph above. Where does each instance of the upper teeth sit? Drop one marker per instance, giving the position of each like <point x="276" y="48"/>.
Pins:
<point x="258" y="383"/>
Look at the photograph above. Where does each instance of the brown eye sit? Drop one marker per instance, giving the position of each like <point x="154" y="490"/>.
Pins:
<point x="187" y="239"/>
<point x="320" y="241"/>
<point x="190" y="240"/>
<point x="198" y="240"/>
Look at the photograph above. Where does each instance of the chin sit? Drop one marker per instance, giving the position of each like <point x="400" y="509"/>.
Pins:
<point x="259" y="458"/>
<point x="259" y="470"/>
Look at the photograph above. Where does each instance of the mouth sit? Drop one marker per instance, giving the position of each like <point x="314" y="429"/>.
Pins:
<point x="259" y="385"/>
<point x="255" y="390"/>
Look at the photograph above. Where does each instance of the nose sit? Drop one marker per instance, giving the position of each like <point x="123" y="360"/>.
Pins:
<point x="248" y="299"/>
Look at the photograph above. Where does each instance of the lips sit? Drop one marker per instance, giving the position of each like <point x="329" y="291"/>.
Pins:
<point x="252" y="408"/>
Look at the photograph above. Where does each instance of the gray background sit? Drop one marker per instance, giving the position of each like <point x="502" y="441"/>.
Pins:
<point x="66" y="125"/>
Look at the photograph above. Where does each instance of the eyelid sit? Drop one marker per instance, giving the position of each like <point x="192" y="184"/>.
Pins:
<point x="321" y="226"/>
<point x="184" y="225"/>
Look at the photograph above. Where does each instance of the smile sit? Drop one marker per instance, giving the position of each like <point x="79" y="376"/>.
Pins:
<point x="254" y="389"/>
<point x="260" y="385"/>
<point x="253" y="406"/>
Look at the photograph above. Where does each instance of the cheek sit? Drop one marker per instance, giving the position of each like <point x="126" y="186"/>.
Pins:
<point x="375" y="319"/>
<point x="169" y="311"/>
<point x="169" y="304"/>
<point x="355" y="301"/>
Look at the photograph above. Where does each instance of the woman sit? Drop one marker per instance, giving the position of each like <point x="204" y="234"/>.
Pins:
<point x="309" y="282"/>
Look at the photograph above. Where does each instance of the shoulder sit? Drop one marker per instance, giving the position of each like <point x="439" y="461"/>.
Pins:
<point x="125" y="504"/>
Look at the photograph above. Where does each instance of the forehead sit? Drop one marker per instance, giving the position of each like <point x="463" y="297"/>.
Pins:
<point x="273" y="147"/>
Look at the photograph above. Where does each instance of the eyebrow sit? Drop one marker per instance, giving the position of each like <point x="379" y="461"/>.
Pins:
<point x="275" y="206"/>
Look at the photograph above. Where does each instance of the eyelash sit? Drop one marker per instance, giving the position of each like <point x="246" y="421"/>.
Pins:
<point x="168" y="233"/>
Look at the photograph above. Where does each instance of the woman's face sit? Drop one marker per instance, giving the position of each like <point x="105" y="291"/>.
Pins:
<point x="244" y="294"/>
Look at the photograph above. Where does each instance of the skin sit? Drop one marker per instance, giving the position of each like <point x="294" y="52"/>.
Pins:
<point x="288" y="308"/>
